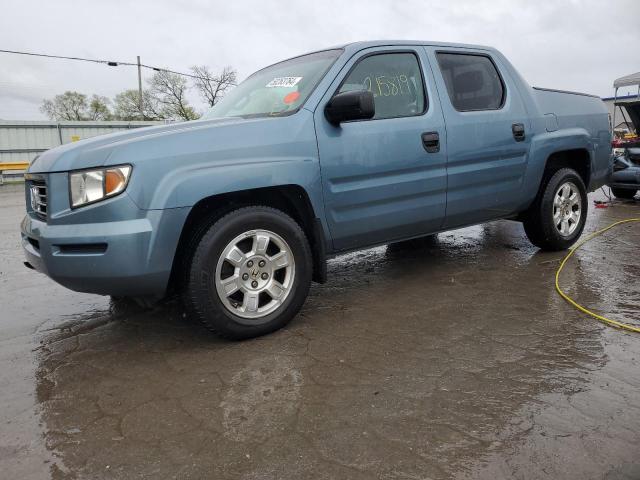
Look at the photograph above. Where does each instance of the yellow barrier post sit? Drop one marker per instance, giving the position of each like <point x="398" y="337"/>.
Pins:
<point x="12" y="167"/>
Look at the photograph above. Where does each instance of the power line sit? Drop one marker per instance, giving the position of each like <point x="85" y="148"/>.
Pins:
<point x="110" y="63"/>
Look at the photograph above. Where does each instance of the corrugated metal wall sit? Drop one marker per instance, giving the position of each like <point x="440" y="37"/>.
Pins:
<point x="22" y="141"/>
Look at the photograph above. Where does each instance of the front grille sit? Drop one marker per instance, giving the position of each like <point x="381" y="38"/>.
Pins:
<point x="38" y="197"/>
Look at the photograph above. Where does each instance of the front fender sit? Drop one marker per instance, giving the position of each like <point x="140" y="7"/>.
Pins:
<point x="175" y="171"/>
<point x="187" y="186"/>
<point x="178" y="171"/>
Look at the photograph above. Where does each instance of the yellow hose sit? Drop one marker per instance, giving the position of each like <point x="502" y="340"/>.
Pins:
<point x="602" y="318"/>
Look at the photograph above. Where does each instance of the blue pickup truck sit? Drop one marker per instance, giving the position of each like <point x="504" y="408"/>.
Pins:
<point x="340" y="149"/>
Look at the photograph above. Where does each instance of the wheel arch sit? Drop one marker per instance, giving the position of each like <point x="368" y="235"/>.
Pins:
<point x="551" y="155"/>
<point x="578" y="159"/>
<point x="291" y="199"/>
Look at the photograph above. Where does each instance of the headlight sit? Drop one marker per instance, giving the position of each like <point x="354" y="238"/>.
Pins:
<point x="89" y="186"/>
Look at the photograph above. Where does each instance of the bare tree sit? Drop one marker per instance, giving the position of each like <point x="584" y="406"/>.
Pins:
<point x="213" y="87"/>
<point x="166" y="98"/>
<point x="67" y="106"/>
<point x="169" y="91"/>
<point x="127" y="106"/>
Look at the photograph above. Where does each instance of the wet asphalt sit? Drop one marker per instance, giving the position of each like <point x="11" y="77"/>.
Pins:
<point x="451" y="358"/>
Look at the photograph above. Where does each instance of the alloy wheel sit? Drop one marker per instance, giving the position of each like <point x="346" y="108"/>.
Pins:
<point x="255" y="274"/>
<point x="567" y="208"/>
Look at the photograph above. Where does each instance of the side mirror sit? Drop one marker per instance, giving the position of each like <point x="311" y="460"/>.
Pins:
<point x="355" y="105"/>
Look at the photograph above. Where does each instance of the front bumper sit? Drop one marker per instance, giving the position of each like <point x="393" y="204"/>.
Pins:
<point x="110" y="248"/>
<point x="104" y="258"/>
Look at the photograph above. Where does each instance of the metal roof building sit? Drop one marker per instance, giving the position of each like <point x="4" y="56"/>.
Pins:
<point x="21" y="141"/>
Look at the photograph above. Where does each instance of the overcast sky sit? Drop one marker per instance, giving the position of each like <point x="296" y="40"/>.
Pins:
<point x="580" y="45"/>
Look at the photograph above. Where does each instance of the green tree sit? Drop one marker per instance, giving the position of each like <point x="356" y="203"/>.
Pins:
<point x="99" y="108"/>
<point x="67" y="106"/>
<point x="77" y="106"/>
<point x="127" y="107"/>
<point x="169" y="90"/>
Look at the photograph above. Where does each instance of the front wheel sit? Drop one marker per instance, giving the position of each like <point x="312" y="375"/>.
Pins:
<point x="557" y="217"/>
<point x="250" y="273"/>
<point x="624" y="193"/>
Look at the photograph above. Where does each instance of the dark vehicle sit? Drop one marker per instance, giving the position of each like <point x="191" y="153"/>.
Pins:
<point x="625" y="180"/>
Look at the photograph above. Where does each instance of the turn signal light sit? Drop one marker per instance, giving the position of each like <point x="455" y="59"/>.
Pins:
<point x="90" y="186"/>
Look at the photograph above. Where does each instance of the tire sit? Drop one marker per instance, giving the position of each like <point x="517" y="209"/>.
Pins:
<point x="217" y="268"/>
<point x="623" y="193"/>
<point x="544" y="229"/>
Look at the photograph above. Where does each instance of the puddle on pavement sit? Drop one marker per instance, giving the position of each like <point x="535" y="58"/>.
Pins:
<point x="444" y="358"/>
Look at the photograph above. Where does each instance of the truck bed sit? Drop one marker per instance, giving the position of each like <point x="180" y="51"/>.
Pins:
<point x="573" y="109"/>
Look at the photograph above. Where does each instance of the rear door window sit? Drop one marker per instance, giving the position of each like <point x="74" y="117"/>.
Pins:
<point x="473" y="82"/>
<point x="394" y="79"/>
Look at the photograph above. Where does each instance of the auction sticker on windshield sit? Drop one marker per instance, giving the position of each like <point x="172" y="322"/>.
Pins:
<point x="284" y="82"/>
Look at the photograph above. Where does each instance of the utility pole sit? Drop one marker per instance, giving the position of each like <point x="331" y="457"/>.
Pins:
<point x="140" y="89"/>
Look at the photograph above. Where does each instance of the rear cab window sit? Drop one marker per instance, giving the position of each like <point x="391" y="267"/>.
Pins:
<point x="472" y="80"/>
<point x="396" y="81"/>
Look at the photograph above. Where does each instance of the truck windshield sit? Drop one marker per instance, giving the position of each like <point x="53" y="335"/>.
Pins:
<point x="277" y="90"/>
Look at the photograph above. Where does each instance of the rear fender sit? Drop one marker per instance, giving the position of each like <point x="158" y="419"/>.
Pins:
<point x="543" y="146"/>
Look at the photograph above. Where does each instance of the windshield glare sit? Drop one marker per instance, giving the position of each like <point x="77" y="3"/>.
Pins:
<point x="277" y="90"/>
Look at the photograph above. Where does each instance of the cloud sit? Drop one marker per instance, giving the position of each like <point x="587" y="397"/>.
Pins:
<point x="574" y="45"/>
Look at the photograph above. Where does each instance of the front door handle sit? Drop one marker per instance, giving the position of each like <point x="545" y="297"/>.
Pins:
<point x="518" y="131"/>
<point x="431" y="142"/>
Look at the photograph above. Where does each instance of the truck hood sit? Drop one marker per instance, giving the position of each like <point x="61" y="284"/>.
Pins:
<point x="96" y="151"/>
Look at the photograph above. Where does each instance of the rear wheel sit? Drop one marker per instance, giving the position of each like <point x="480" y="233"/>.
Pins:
<point x="623" y="193"/>
<point x="557" y="217"/>
<point x="250" y="273"/>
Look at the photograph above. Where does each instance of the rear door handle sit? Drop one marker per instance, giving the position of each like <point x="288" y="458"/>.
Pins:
<point x="518" y="131"/>
<point x="431" y="142"/>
